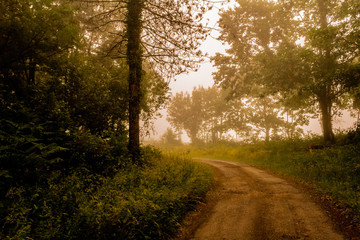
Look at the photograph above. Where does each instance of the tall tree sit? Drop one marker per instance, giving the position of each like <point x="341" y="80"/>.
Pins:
<point x="166" y="33"/>
<point x="327" y="29"/>
<point x="134" y="60"/>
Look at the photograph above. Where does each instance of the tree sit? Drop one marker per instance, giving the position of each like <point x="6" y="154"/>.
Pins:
<point x="295" y="49"/>
<point x="170" y="138"/>
<point x="35" y="34"/>
<point x="167" y="33"/>
<point x="264" y="115"/>
<point x="187" y="112"/>
<point x="215" y="108"/>
<point x="324" y="27"/>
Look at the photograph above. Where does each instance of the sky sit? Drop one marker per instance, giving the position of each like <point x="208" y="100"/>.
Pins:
<point x="203" y="77"/>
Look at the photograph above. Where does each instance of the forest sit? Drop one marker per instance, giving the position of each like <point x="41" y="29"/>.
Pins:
<point x="82" y="80"/>
<point x="71" y="104"/>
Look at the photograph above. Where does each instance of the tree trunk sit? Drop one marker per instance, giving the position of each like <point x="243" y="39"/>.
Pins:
<point x="324" y="95"/>
<point x="32" y="67"/>
<point x="213" y="132"/>
<point x="267" y="134"/>
<point x="134" y="60"/>
<point x="326" y="117"/>
<point x="193" y="137"/>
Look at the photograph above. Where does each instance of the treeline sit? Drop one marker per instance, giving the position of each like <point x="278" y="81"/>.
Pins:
<point x="208" y="115"/>
<point x="286" y="59"/>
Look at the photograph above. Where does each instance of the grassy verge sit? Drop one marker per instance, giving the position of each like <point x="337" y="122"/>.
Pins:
<point x="147" y="202"/>
<point x="334" y="171"/>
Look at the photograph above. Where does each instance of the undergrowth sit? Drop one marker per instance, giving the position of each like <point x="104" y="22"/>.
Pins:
<point x="138" y="202"/>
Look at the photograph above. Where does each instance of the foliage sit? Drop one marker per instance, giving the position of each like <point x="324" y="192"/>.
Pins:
<point x="300" y="51"/>
<point x="147" y="204"/>
<point x="35" y="35"/>
<point x="208" y="115"/>
<point x="170" y="138"/>
<point x="137" y="203"/>
<point x="352" y="136"/>
<point x="25" y="154"/>
<point x="63" y="132"/>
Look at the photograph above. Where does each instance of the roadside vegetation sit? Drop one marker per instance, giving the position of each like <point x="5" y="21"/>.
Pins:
<point x="134" y="202"/>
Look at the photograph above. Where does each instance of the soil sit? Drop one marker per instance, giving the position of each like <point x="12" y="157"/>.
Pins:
<point x="247" y="203"/>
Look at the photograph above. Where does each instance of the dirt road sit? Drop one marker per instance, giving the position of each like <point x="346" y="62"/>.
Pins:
<point x="250" y="204"/>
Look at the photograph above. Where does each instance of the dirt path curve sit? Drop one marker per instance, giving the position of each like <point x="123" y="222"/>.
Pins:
<point x="254" y="205"/>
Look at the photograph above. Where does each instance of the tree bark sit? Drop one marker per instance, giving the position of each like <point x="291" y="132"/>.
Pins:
<point x="134" y="60"/>
<point x="324" y="95"/>
<point x="326" y="117"/>
<point x="267" y="134"/>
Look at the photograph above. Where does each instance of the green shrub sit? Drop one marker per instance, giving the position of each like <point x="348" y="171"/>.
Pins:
<point x="146" y="203"/>
<point x="25" y="154"/>
<point x="139" y="202"/>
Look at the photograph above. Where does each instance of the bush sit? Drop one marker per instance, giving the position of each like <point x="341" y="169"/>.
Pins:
<point x="352" y="136"/>
<point x="26" y="155"/>
<point x="139" y="202"/>
<point x="146" y="203"/>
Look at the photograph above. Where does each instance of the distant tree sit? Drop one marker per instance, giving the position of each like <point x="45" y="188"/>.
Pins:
<point x="202" y="114"/>
<point x="215" y="109"/>
<point x="237" y="118"/>
<point x="186" y="112"/>
<point x="170" y="137"/>
<point x="263" y="114"/>
<point x="207" y="114"/>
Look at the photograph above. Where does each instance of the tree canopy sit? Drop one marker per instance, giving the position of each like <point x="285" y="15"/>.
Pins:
<point x="298" y="49"/>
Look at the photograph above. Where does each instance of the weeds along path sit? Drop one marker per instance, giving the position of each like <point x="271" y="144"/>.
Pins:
<point x="250" y="204"/>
